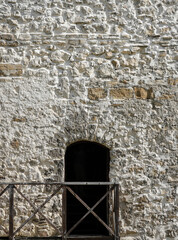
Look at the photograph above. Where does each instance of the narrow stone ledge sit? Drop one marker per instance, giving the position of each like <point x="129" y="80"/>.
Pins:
<point x="10" y="70"/>
<point x="96" y="93"/>
<point x="121" y="93"/>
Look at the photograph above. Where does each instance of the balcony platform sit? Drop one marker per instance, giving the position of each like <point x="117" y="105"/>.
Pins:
<point x="75" y="237"/>
<point x="90" y="237"/>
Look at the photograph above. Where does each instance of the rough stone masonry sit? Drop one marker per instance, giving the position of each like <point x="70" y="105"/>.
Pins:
<point x="97" y="70"/>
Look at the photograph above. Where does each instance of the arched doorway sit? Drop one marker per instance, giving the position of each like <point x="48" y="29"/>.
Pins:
<point x="87" y="162"/>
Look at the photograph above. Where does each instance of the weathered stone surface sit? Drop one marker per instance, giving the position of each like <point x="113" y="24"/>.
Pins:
<point x="103" y="71"/>
<point x="10" y="69"/>
<point x="121" y="93"/>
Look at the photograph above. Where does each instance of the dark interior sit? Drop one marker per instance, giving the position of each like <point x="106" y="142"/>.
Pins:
<point x="87" y="162"/>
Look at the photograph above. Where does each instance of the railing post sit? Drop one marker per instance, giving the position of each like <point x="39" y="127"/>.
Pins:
<point x="64" y="227"/>
<point x="11" y="212"/>
<point x="116" y="207"/>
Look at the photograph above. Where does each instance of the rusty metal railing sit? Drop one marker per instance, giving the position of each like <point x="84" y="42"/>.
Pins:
<point x="112" y="190"/>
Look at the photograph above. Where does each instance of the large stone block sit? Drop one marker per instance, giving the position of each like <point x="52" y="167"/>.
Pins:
<point x="143" y="93"/>
<point x="96" y="93"/>
<point x="121" y="93"/>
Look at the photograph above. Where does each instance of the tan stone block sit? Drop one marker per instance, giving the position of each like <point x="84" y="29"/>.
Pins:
<point x="121" y="93"/>
<point x="96" y="93"/>
<point x="142" y="93"/>
<point x="10" y="69"/>
<point x="23" y="119"/>
<point x="15" y="143"/>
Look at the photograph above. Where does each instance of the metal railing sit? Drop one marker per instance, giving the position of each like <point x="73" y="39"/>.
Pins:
<point x="112" y="191"/>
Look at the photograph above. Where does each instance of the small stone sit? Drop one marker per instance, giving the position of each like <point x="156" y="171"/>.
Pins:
<point x="15" y="143"/>
<point x="115" y="63"/>
<point x="109" y="55"/>
<point x="97" y="50"/>
<point x="106" y="70"/>
<point x="59" y="56"/>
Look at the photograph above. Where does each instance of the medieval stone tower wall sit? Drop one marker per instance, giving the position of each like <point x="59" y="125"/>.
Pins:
<point x="97" y="70"/>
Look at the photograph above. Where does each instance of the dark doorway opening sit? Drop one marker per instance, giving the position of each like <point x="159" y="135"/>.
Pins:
<point x="87" y="162"/>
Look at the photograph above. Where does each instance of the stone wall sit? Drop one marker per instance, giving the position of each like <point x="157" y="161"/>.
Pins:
<point x="97" y="70"/>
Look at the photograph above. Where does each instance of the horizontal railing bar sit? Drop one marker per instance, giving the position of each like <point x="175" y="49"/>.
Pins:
<point x="58" y="183"/>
